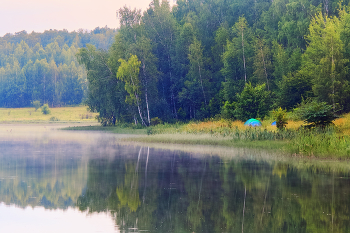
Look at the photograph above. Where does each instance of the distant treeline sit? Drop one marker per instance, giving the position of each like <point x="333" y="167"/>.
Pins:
<point x="43" y="66"/>
<point x="204" y="58"/>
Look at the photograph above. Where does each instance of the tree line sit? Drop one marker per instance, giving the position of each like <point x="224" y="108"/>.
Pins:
<point x="43" y="66"/>
<point x="204" y="58"/>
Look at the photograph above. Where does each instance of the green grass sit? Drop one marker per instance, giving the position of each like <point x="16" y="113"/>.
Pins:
<point x="62" y="114"/>
<point x="117" y="130"/>
<point x="320" y="144"/>
<point x="207" y="139"/>
<point x="331" y="143"/>
<point x="325" y="143"/>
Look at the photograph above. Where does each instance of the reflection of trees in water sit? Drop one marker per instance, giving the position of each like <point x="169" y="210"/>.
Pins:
<point x="128" y="193"/>
<point x="41" y="175"/>
<point x="181" y="192"/>
<point x="167" y="191"/>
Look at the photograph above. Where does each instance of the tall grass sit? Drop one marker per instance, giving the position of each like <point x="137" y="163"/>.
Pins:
<point x="325" y="143"/>
<point x="329" y="142"/>
<point x="206" y="139"/>
<point x="234" y="130"/>
<point x="343" y="125"/>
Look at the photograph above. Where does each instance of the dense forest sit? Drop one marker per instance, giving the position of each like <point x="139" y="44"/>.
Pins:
<point x="43" y="66"/>
<point x="235" y="59"/>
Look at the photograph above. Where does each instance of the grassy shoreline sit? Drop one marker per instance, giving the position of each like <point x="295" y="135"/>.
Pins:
<point x="332" y="142"/>
<point x="116" y="130"/>
<point x="206" y="139"/>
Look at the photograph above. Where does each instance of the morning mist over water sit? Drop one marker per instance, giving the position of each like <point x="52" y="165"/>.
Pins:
<point x="93" y="181"/>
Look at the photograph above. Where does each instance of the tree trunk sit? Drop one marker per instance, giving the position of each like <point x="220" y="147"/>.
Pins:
<point x="137" y="102"/>
<point x="171" y="88"/>
<point x="245" y="71"/>
<point x="135" y="120"/>
<point x="333" y="78"/>
<point x="146" y="91"/>
<point x="149" y="119"/>
<point x="138" y="107"/>
<point x="200" y="77"/>
<point x="263" y="59"/>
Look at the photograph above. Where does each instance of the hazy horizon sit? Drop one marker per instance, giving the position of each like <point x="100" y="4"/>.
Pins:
<point x="41" y="15"/>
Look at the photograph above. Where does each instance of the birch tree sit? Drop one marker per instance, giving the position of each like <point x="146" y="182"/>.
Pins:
<point x="128" y="72"/>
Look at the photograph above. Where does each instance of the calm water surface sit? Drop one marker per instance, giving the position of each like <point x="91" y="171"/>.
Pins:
<point x="62" y="181"/>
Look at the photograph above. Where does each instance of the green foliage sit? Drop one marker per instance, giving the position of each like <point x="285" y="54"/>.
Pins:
<point x="257" y="134"/>
<point x="324" y="62"/>
<point x="45" y="109"/>
<point x="292" y="89"/>
<point x="156" y="121"/>
<point x="320" y="142"/>
<point x="106" y="96"/>
<point x="54" y="119"/>
<point x="128" y="72"/>
<point x="43" y="67"/>
<point x="316" y="114"/>
<point x="228" y="109"/>
<point x="36" y="104"/>
<point x="194" y="60"/>
<point x="253" y="102"/>
<point x="280" y="116"/>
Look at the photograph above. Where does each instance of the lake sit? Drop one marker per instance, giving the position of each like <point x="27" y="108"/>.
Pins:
<point x="67" y="181"/>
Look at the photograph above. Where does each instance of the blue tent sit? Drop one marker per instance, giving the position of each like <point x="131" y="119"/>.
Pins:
<point x="252" y="122"/>
<point x="274" y="123"/>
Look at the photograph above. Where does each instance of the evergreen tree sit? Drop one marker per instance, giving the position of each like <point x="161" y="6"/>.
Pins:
<point x="323" y="61"/>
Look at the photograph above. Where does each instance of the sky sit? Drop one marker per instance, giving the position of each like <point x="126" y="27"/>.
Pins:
<point x="41" y="15"/>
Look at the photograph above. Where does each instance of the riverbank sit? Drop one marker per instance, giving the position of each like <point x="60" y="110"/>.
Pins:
<point x="207" y="139"/>
<point x="332" y="142"/>
<point x="110" y="129"/>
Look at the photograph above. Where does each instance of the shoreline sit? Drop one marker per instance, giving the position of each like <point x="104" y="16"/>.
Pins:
<point x="332" y="144"/>
<point x="309" y="146"/>
<point x="207" y="140"/>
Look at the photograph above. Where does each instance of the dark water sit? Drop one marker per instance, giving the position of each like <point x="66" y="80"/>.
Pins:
<point x="54" y="181"/>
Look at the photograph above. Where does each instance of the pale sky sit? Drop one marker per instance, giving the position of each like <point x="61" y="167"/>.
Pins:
<point x="40" y="15"/>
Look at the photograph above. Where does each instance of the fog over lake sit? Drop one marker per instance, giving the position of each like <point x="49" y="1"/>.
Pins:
<point x="53" y="180"/>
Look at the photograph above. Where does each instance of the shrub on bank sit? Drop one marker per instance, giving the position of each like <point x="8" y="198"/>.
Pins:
<point x="36" y="104"/>
<point x="316" y="114"/>
<point x="45" y="109"/>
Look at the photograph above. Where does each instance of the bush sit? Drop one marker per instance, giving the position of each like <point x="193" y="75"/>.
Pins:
<point x="253" y="102"/>
<point x="45" y="109"/>
<point x="316" y="114"/>
<point x="36" y="104"/>
<point x="156" y="121"/>
<point x="54" y="119"/>
<point x="280" y="117"/>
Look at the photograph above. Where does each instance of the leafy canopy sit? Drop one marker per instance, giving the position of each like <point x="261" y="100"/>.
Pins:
<point x="253" y="102"/>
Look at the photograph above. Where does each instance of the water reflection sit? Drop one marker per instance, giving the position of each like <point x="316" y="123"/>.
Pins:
<point x="159" y="190"/>
<point x="172" y="191"/>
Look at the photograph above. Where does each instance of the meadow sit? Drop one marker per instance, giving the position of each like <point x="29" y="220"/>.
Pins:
<point x="62" y="114"/>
